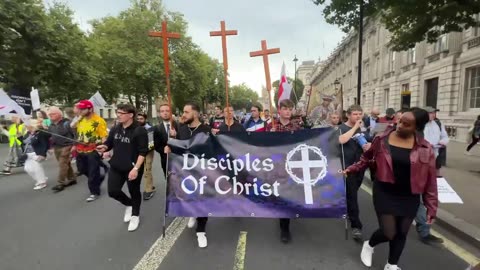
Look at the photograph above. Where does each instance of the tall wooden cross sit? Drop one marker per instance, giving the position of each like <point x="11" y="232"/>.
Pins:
<point x="165" y="35"/>
<point x="224" y="33"/>
<point x="265" y="52"/>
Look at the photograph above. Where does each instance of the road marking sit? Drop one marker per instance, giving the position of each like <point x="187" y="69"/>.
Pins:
<point x="239" y="263"/>
<point x="448" y="244"/>
<point x="159" y="250"/>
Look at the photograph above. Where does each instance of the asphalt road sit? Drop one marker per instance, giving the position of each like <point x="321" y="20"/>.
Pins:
<point x="41" y="230"/>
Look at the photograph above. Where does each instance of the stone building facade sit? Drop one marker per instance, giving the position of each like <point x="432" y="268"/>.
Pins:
<point x="444" y="75"/>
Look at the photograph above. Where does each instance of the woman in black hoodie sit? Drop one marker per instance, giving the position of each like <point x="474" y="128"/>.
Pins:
<point x="129" y="142"/>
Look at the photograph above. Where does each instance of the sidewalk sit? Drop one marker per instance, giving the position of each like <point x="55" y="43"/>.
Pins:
<point x="463" y="174"/>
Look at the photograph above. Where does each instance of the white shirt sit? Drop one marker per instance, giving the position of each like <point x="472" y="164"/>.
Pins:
<point x="166" y="124"/>
<point x="434" y="135"/>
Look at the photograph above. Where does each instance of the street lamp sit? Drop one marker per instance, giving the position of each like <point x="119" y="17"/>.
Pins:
<point x="360" y="44"/>
<point x="295" y="80"/>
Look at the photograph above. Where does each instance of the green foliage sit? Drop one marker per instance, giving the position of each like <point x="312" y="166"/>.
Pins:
<point x="408" y="21"/>
<point x="242" y="97"/>
<point x="44" y="48"/>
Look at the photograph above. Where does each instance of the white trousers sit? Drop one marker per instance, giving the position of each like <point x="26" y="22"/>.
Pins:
<point x="34" y="168"/>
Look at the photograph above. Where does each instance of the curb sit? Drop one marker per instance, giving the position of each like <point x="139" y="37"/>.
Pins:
<point x="457" y="226"/>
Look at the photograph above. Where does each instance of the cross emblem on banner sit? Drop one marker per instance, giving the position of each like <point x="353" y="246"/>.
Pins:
<point x="306" y="164"/>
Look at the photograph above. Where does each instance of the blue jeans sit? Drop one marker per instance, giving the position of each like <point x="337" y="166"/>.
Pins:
<point x="423" y="229"/>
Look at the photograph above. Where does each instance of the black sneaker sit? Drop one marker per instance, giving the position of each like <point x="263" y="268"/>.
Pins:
<point x="431" y="239"/>
<point x="285" y="237"/>
<point x="71" y="183"/>
<point x="357" y="234"/>
<point x="58" y="188"/>
<point x="148" y="195"/>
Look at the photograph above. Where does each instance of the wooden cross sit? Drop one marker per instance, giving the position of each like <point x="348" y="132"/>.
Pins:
<point x="224" y="33"/>
<point x="165" y="35"/>
<point x="265" y="52"/>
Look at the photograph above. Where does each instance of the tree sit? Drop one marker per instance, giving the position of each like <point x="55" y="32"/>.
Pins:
<point x="296" y="95"/>
<point x="242" y="96"/>
<point x="409" y="22"/>
<point x="70" y="76"/>
<point x="24" y="44"/>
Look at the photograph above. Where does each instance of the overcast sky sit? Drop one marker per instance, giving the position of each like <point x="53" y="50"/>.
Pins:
<point x="294" y="26"/>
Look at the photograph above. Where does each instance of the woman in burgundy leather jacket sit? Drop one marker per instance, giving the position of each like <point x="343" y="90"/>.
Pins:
<point x="405" y="173"/>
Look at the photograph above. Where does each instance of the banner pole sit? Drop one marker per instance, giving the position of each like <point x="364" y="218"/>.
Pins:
<point x="345" y="217"/>
<point x="166" y="198"/>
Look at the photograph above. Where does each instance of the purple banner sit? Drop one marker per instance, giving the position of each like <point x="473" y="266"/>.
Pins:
<point x="262" y="174"/>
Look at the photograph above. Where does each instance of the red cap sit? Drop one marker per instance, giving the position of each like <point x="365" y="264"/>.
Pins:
<point x="84" y="104"/>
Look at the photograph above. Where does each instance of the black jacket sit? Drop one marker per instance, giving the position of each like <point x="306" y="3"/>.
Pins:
<point x="127" y="144"/>
<point x="40" y="142"/>
<point x="63" y="129"/>
<point x="160" y="137"/>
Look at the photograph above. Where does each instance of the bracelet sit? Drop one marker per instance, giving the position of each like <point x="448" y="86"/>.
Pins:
<point x="135" y="168"/>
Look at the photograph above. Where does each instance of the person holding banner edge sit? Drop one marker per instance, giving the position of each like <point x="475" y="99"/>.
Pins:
<point x="284" y="124"/>
<point x="405" y="170"/>
<point x="191" y="127"/>
<point x="354" y="143"/>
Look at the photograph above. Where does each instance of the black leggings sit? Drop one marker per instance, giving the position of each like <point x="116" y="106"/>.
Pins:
<point x="116" y="180"/>
<point x="393" y="230"/>
<point x="474" y="142"/>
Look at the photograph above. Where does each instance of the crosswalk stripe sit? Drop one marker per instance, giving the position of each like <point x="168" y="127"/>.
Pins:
<point x="448" y="244"/>
<point x="239" y="263"/>
<point x="159" y="250"/>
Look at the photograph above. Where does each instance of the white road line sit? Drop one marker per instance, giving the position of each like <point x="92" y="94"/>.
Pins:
<point x="160" y="249"/>
<point x="448" y="244"/>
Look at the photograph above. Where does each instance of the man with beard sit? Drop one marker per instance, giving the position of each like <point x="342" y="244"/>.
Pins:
<point x="191" y="127"/>
<point x="162" y="132"/>
<point x="91" y="131"/>
<point x="149" y="188"/>
<point x="284" y="124"/>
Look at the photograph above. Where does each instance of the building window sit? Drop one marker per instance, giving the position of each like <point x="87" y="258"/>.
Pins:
<point x="386" y="97"/>
<point x="411" y="56"/>
<point x="101" y="113"/>
<point x="441" y="44"/>
<point x="366" y="72"/>
<point x="354" y="100"/>
<point x="109" y="113"/>
<point x="405" y="87"/>
<point x="392" y="60"/>
<point x="375" y="71"/>
<point x="473" y="86"/>
<point x="373" y="100"/>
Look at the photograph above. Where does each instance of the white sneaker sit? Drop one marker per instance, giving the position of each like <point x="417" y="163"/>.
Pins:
<point x="367" y="254"/>
<point x="191" y="222"/>
<point x="391" y="267"/>
<point x="467" y="153"/>
<point x="40" y="186"/>
<point x="92" y="198"/>
<point x="128" y="214"/>
<point x="202" y="240"/>
<point x="134" y="222"/>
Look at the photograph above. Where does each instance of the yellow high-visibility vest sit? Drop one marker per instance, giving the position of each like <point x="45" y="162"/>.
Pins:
<point x="12" y="133"/>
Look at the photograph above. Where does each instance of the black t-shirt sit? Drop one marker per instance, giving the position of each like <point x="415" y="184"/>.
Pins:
<point x="185" y="132"/>
<point x="215" y="122"/>
<point x="351" y="149"/>
<point x="235" y="127"/>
